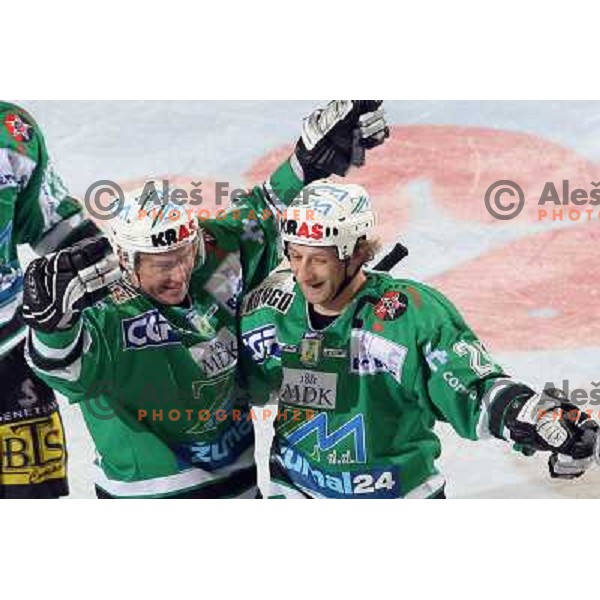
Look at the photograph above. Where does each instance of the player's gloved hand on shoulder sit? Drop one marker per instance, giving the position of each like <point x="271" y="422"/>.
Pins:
<point x="58" y="286"/>
<point x="549" y="422"/>
<point x="337" y="136"/>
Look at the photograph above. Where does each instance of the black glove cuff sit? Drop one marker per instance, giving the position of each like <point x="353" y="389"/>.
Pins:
<point x="506" y="407"/>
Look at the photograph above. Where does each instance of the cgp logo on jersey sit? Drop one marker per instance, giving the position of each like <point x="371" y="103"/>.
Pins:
<point x="262" y="343"/>
<point x="371" y="354"/>
<point x="150" y="329"/>
<point x="309" y="389"/>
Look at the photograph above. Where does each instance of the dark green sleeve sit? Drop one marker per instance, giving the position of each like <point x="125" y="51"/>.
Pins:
<point x="33" y="195"/>
<point x="76" y="362"/>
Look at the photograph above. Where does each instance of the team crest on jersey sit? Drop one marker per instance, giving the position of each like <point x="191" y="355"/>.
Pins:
<point x="147" y="330"/>
<point x="201" y="323"/>
<point x="391" y="306"/>
<point x="18" y="127"/>
<point x="311" y="348"/>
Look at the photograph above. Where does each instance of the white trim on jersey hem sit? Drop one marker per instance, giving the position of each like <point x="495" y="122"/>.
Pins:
<point x="428" y="488"/>
<point x="169" y="484"/>
<point x="71" y="372"/>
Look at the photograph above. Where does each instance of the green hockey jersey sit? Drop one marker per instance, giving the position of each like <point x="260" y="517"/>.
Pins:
<point x="358" y="400"/>
<point x="35" y="209"/>
<point x="157" y="384"/>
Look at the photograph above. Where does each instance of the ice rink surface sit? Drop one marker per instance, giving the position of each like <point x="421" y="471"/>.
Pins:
<point x="528" y="286"/>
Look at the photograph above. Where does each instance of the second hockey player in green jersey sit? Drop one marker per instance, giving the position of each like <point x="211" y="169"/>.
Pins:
<point x="365" y="364"/>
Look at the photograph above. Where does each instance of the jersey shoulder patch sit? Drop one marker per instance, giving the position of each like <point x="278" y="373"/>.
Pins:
<point x="121" y="292"/>
<point x="18" y="131"/>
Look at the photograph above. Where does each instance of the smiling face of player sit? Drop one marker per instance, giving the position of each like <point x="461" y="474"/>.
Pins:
<point x="166" y="276"/>
<point x="320" y="273"/>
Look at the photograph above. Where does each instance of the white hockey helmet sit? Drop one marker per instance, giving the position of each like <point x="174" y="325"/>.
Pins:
<point x="329" y="214"/>
<point x="147" y="223"/>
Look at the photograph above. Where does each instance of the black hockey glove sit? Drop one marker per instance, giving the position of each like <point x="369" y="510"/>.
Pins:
<point x="58" y="286"/>
<point x="336" y="137"/>
<point x="549" y="422"/>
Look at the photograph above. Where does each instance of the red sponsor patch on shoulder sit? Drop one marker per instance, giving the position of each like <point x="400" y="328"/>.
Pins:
<point x="18" y="128"/>
<point x="391" y="306"/>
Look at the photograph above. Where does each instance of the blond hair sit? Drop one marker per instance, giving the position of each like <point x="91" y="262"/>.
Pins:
<point x="367" y="249"/>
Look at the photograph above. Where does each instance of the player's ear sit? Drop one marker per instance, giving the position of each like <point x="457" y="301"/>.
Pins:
<point x="124" y="266"/>
<point x="366" y="250"/>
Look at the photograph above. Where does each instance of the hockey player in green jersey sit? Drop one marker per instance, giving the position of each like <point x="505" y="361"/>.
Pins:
<point x="35" y="209"/>
<point x="364" y="364"/>
<point x="153" y="364"/>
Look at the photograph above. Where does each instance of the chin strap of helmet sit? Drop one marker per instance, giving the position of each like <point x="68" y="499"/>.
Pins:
<point x="347" y="279"/>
